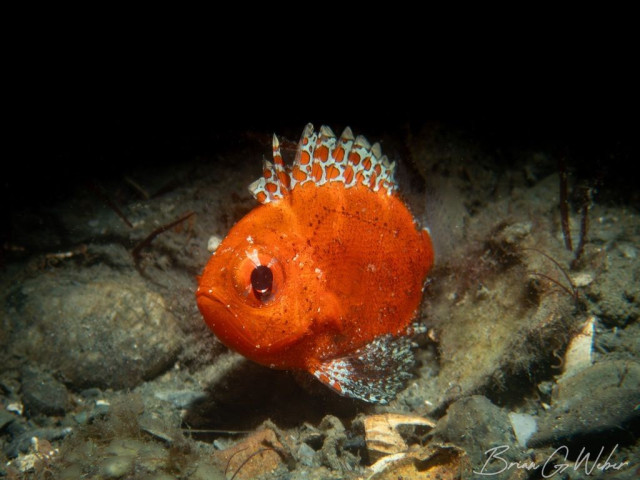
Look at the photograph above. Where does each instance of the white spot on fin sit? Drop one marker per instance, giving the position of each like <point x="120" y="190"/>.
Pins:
<point x="374" y="373"/>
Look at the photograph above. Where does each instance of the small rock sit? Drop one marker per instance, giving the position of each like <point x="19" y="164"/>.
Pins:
<point x="15" y="430"/>
<point x="614" y="296"/>
<point x="82" y="417"/>
<point x="100" y="408"/>
<point x="306" y="455"/>
<point x="477" y="425"/>
<point x="6" y="418"/>
<point x="181" y="398"/>
<point x="16" y="407"/>
<point x="43" y="394"/>
<point x="91" y="393"/>
<point x="96" y="327"/>
<point x="23" y="442"/>
<point x="600" y="399"/>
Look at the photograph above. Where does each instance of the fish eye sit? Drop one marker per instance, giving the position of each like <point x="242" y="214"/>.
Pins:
<point x="259" y="277"/>
<point x="262" y="281"/>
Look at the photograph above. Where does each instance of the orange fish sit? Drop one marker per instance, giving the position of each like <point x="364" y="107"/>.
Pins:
<point x="327" y="274"/>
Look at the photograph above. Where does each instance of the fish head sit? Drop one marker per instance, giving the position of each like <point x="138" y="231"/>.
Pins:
<point x="261" y="291"/>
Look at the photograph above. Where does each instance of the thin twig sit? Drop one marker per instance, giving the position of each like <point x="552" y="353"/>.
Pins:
<point x="105" y="198"/>
<point x="149" y="238"/>
<point x="137" y="187"/>
<point x="554" y="281"/>
<point x="574" y="291"/>
<point x="584" y="223"/>
<point x="208" y="430"/>
<point x="564" y="205"/>
<point x="231" y="458"/>
<point x="249" y="458"/>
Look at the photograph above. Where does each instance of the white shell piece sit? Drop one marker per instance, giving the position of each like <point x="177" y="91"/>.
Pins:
<point x="524" y="426"/>
<point x="578" y="355"/>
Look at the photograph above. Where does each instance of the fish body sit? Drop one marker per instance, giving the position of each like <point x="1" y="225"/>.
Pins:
<point x="326" y="275"/>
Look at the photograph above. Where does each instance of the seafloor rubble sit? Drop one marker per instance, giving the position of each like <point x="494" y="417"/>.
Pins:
<point x="532" y="354"/>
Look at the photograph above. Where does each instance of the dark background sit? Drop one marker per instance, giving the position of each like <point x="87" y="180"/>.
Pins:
<point x="64" y="134"/>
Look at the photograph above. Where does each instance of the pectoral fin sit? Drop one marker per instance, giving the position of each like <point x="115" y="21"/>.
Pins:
<point x="374" y="373"/>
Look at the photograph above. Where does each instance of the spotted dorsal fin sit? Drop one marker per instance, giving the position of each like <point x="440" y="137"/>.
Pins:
<point x="322" y="158"/>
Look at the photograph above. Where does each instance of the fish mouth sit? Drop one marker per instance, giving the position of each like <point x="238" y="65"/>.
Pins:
<point x="229" y="327"/>
<point x="220" y="318"/>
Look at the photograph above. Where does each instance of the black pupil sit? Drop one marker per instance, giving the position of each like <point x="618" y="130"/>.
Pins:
<point x="261" y="281"/>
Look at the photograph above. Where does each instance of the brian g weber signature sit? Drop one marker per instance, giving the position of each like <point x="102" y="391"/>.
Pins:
<point x="556" y="463"/>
